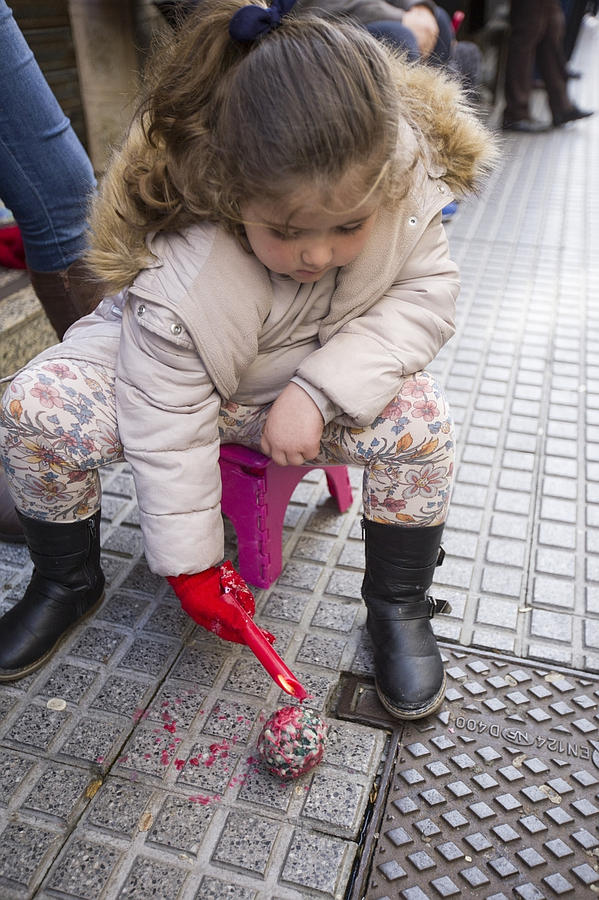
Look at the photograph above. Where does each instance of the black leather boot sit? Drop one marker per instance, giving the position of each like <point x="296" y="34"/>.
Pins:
<point x="400" y="565"/>
<point x="10" y="527"/>
<point x="67" y="585"/>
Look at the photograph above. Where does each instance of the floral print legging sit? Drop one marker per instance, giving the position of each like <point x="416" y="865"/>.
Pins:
<point x="58" y="426"/>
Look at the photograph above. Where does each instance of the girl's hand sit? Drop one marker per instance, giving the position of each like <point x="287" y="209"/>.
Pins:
<point x="293" y="428"/>
<point x="219" y="600"/>
<point x="423" y="24"/>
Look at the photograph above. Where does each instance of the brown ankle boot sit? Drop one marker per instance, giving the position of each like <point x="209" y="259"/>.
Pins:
<point x="66" y="295"/>
<point x="10" y="527"/>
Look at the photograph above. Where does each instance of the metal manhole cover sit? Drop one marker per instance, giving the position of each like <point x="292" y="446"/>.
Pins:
<point x="497" y="796"/>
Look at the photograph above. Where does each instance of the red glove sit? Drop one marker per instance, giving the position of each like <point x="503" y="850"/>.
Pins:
<point x="219" y="600"/>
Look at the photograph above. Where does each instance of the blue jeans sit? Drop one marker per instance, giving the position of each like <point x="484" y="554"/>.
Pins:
<point x="46" y="178"/>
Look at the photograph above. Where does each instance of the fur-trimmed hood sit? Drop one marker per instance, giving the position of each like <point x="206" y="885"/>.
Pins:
<point x="441" y="128"/>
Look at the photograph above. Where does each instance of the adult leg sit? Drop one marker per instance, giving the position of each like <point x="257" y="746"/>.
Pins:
<point x="397" y="35"/>
<point x="552" y="66"/>
<point x="443" y="48"/>
<point x="528" y="21"/>
<point x="574" y="11"/>
<point x="57" y="427"/>
<point x="46" y="179"/>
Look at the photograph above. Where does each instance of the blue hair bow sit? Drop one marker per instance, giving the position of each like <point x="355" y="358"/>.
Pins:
<point x="252" y="22"/>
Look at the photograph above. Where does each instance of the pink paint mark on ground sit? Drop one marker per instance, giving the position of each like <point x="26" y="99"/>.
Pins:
<point x="170" y="726"/>
<point x="205" y="799"/>
<point x="99" y="759"/>
<point x="123" y="759"/>
<point x="165" y="758"/>
<point x="194" y="761"/>
<point x="179" y="764"/>
<point x="147" y="756"/>
<point x="140" y="714"/>
<point x="216" y="752"/>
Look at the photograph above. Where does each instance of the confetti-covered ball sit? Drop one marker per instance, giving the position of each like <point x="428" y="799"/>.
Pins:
<point x="292" y="741"/>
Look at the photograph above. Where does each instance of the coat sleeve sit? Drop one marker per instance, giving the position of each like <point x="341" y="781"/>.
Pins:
<point x="359" y="368"/>
<point x="167" y="412"/>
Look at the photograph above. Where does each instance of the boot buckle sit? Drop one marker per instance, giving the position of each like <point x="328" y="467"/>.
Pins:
<point x="437" y="606"/>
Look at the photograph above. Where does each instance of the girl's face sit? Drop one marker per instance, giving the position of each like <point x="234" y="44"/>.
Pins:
<point x="303" y="238"/>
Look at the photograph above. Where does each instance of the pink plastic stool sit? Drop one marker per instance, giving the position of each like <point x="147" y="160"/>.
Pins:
<point x="255" y="495"/>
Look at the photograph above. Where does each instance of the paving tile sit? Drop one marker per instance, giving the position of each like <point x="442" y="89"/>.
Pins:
<point x="231" y="719"/>
<point x="24" y="850"/>
<point x="83" y="869"/>
<point x="14" y="767"/>
<point x="260" y="789"/>
<point x="93" y="740"/>
<point x="246" y="843"/>
<point x="97" y="644"/>
<point x="322" y="650"/>
<point x="149" y="878"/>
<point x="59" y="793"/>
<point x="286" y="604"/>
<point x="37" y="727"/>
<point x="209" y="767"/>
<point x="317" y="862"/>
<point x="335" y="804"/>
<point x="148" y="657"/>
<point x="201" y="662"/>
<point x="345" y="584"/>
<point x="180" y="825"/>
<point x="67" y="682"/>
<point x="118" y="806"/>
<point x="335" y="615"/>
<point x="122" y="695"/>
<point x="122" y="609"/>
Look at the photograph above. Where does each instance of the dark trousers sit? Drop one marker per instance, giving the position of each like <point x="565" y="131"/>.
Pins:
<point x="537" y="30"/>
<point x="574" y="11"/>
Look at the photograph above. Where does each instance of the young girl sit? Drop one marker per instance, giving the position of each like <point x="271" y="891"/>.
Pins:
<point x="271" y="238"/>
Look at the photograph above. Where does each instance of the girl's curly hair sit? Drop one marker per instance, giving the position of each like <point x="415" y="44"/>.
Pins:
<point x="224" y="122"/>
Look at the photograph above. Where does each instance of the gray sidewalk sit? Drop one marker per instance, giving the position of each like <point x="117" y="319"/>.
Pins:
<point x="128" y="764"/>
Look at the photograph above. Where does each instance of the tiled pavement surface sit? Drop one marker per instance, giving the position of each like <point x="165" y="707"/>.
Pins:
<point x="128" y="765"/>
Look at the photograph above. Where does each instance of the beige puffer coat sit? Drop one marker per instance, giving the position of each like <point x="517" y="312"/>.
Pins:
<point x="192" y="322"/>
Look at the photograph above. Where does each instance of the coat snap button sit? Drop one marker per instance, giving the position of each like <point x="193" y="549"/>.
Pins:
<point x="441" y="188"/>
<point x="412" y="220"/>
<point x="141" y="309"/>
<point x="176" y="328"/>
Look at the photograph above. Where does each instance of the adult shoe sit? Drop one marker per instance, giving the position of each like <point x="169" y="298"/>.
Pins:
<point x="571" y="115"/>
<point x="526" y="126"/>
